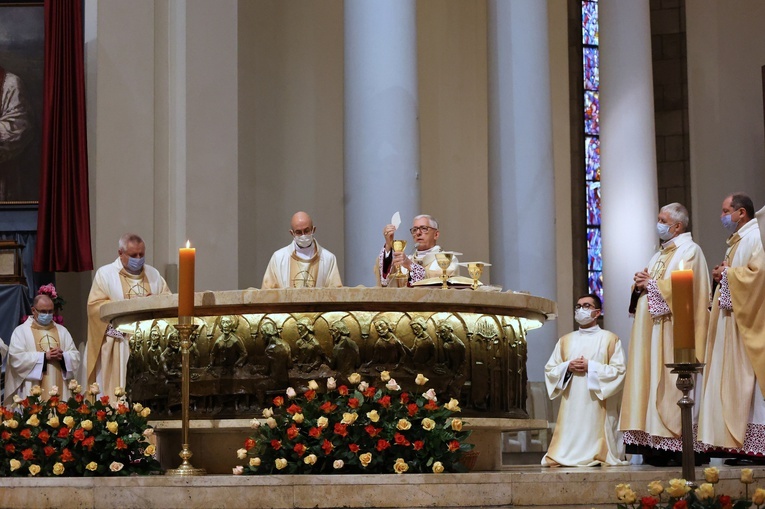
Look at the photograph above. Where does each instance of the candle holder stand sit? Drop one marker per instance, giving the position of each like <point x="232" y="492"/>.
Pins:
<point x="685" y="372"/>
<point x="185" y="329"/>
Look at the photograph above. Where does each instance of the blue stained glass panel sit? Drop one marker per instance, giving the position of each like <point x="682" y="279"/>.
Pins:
<point x="592" y="158"/>
<point x="589" y="23"/>
<point x="593" y="203"/>
<point x="595" y="283"/>
<point x="591" y="113"/>
<point x="594" y="260"/>
<point x="591" y="68"/>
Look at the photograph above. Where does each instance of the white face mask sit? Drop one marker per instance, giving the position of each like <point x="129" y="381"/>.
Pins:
<point x="304" y="241"/>
<point x="583" y="316"/>
<point x="663" y="231"/>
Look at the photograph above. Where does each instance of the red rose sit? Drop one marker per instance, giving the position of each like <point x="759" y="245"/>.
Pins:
<point x="294" y="409"/>
<point x="384" y="401"/>
<point x="66" y="455"/>
<point x="84" y="409"/>
<point x="370" y="392"/>
<point x="341" y="429"/>
<point x="299" y="449"/>
<point x="10" y="448"/>
<point x="122" y="409"/>
<point x="5" y="435"/>
<point x="343" y="390"/>
<point x="7" y="414"/>
<point x="278" y="401"/>
<point x="27" y="454"/>
<point x="400" y="439"/>
<point x="292" y="432"/>
<point x="78" y="398"/>
<point x="276" y="444"/>
<point x="353" y="403"/>
<point x="453" y="445"/>
<point x="62" y="408"/>
<point x="725" y="502"/>
<point x="26" y="433"/>
<point x="100" y="415"/>
<point x="354" y="447"/>
<point x="680" y="504"/>
<point x="327" y="446"/>
<point x="404" y="398"/>
<point x="314" y="432"/>
<point x="53" y="401"/>
<point x="648" y="502"/>
<point x="63" y="432"/>
<point x="430" y="405"/>
<point x="310" y="394"/>
<point x="43" y="436"/>
<point x="25" y="402"/>
<point x="89" y="443"/>
<point x="249" y="444"/>
<point x="49" y="451"/>
<point x="412" y="408"/>
<point x="328" y="407"/>
<point x="418" y="445"/>
<point x="372" y="431"/>
<point x="382" y="445"/>
<point x="121" y="444"/>
<point x="79" y="435"/>
<point x="104" y="399"/>
<point x="36" y="409"/>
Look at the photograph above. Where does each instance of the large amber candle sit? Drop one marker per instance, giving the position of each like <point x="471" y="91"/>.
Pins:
<point x="187" y="258"/>
<point x="682" y="313"/>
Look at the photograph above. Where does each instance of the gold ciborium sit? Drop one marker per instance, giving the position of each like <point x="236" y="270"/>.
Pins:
<point x="444" y="259"/>
<point x="475" y="269"/>
<point x="398" y="247"/>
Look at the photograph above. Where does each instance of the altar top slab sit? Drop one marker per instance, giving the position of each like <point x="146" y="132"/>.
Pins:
<point x="358" y="298"/>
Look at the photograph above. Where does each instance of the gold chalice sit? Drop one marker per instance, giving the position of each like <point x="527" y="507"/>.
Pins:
<point x="398" y="247"/>
<point x="475" y="269"/>
<point x="444" y="259"/>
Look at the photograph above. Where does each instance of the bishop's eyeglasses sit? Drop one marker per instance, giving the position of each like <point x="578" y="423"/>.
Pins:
<point x="423" y="229"/>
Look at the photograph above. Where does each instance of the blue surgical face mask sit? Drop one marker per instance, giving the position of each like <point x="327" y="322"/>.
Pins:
<point x="663" y="231"/>
<point x="728" y="223"/>
<point x="135" y="264"/>
<point x="44" y="318"/>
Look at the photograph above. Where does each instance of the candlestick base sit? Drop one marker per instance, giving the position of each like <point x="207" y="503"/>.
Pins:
<point x="186" y="468"/>
<point x="685" y="372"/>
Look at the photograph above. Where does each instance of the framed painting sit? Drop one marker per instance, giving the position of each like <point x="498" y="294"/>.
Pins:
<point x="22" y="30"/>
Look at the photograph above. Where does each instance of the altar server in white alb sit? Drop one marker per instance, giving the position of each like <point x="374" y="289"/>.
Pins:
<point x="303" y="263"/>
<point x="586" y="369"/>
<point x="127" y="277"/>
<point x="41" y="352"/>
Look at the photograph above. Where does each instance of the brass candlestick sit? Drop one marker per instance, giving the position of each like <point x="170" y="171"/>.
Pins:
<point x="185" y="328"/>
<point x="685" y="372"/>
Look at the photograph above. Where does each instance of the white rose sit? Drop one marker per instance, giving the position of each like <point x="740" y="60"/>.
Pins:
<point x="241" y="453"/>
<point x="430" y="395"/>
<point x="95" y="389"/>
<point x="238" y="470"/>
<point x="271" y="422"/>
<point x="148" y="432"/>
<point x="363" y="386"/>
<point x="313" y="385"/>
<point x="291" y="392"/>
<point x="16" y="398"/>
<point x="331" y="383"/>
<point x="338" y="464"/>
<point x="115" y="466"/>
<point x="53" y="391"/>
<point x="255" y="423"/>
<point x="73" y="384"/>
<point x="267" y="412"/>
<point x="392" y="385"/>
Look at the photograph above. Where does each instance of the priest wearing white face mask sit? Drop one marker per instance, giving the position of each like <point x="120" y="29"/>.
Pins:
<point x="41" y="353"/>
<point x="303" y="263"/>
<point x="650" y="419"/>
<point x="127" y="277"/>
<point x="732" y="410"/>
<point x="587" y="370"/>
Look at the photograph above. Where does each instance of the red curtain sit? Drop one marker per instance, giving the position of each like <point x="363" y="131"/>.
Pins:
<point x="63" y="223"/>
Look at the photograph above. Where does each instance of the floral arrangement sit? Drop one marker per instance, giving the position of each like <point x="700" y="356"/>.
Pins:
<point x="364" y="429"/>
<point x="78" y="437"/>
<point x="680" y="496"/>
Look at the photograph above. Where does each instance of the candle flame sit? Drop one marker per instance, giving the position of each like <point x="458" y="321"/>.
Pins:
<point x="188" y="245"/>
<point x="681" y="262"/>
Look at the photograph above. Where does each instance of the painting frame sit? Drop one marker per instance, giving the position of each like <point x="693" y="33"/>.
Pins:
<point x="22" y="48"/>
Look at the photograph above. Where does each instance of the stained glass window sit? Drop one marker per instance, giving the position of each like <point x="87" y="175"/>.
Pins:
<point x="591" y="125"/>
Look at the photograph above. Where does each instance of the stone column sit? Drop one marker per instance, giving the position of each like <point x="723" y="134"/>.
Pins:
<point x="381" y="131"/>
<point x="628" y="154"/>
<point x="521" y="190"/>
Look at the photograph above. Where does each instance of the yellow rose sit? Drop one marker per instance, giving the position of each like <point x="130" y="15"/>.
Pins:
<point x="354" y="378"/>
<point x="53" y="422"/>
<point x="350" y="417"/>
<point x="711" y="475"/>
<point x="137" y="407"/>
<point x="677" y="488"/>
<point x="457" y="424"/>
<point x="33" y="420"/>
<point x="373" y="416"/>
<point x="313" y="385"/>
<point x="15" y="465"/>
<point x="112" y="426"/>
<point x="69" y="421"/>
<point x="365" y="459"/>
<point x="116" y="466"/>
<point x="268" y="412"/>
<point x="119" y="391"/>
<point x="453" y="405"/>
<point x="254" y="462"/>
<point x="438" y="467"/>
<point x="705" y="491"/>
<point x="241" y="453"/>
<point x="34" y="469"/>
<point x="420" y="380"/>
<point x="145" y="412"/>
<point x="403" y="424"/>
<point x="87" y="425"/>
<point x="92" y="466"/>
<point x="94" y="389"/>
<point x="625" y="494"/>
<point x="428" y="424"/>
<point x="310" y="459"/>
<point x="400" y="466"/>
<point x="385" y="376"/>
<point x="12" y="423"/>
<point x="655" y="488"/>
<point x="298" y="418"/>
<point x="36" y="390"/>
<point x="322" y="422"/>
<point x="280" y="463"/>
<point x="747" y="476"/>
<point x="758" y="498"/>
<point x="150" y="450"/>
<point x="58" y="468"/>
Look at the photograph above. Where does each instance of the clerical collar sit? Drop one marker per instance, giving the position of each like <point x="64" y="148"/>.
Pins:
<point x="422" y="254"/>
<point x="677" y="241"/>
<point x="305" y="253"/>
<point x="590" y="330"/>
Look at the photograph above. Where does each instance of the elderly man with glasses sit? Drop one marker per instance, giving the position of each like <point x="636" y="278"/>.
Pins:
<point x="421" y="263"/>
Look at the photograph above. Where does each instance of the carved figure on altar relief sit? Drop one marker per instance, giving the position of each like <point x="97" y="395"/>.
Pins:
<point x="486" y="373"/>
<point x="454" y="357"/>
<point x="423" y="350"/>
<point x="388" y="349"/>
<point x="154" y="351"/>
<point x="228" y="350"/>
<point x="308" y="352"/>
<point x="135" y="363"/>
<point x="171" y="356"/>
<point x="278" y="353"/>
<point x="345" y="353"/>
